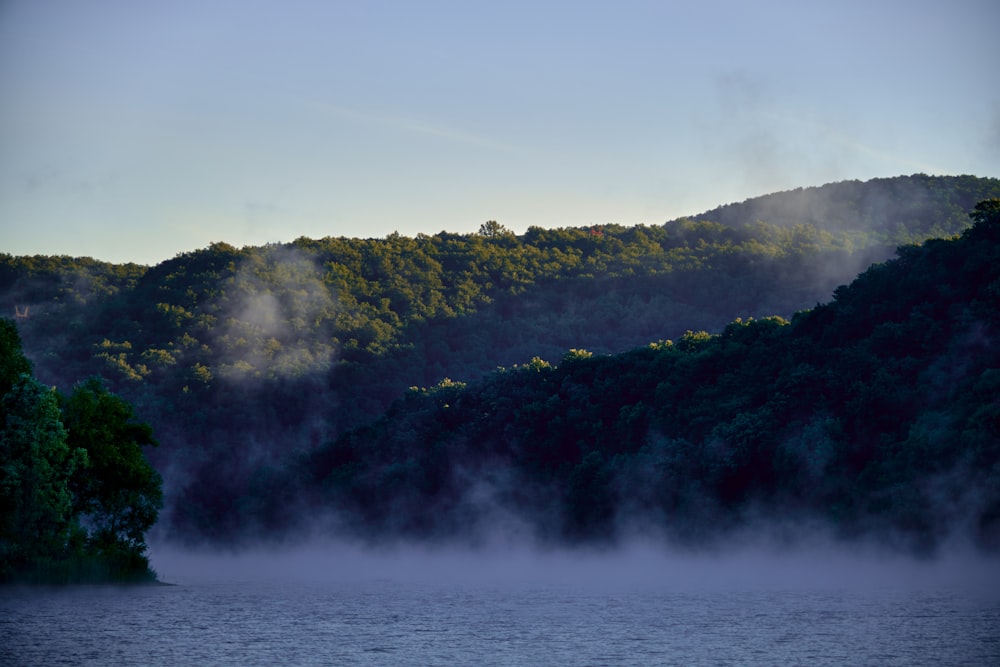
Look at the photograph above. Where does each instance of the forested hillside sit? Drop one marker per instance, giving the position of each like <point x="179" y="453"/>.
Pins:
<point x="876" y="415"/>
<point x="895" y="210"/>
<point x="245" y="359"/>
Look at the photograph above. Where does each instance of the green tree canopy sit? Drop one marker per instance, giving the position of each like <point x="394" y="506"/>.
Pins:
<point x="35" y="469"/>
<point x="120" y="496"/>
<point x="77" y="495"/>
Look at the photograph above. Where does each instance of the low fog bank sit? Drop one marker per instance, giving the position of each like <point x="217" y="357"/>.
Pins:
<point x="638" y="566"/>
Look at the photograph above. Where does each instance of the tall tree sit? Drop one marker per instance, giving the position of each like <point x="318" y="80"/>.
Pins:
<point x="36" y="504"/>
<point x="13" y="363"/>
<point x="986" y="218"/>
<point x="119" y="497"/>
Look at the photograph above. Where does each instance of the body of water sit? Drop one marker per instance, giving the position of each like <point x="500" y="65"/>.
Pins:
<point x="241" y="616"/>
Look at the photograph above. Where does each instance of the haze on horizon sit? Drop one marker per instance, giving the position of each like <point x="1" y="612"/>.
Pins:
<point x="135" y="131"/>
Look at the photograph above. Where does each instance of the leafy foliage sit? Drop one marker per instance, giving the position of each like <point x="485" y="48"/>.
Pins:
<point x="120" y="497"/>
<point x="76" y="493"/>
<point x="35" y="502"/>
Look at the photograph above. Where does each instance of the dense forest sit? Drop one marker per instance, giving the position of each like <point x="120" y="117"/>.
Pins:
<point x="877" y="413"/>
<point x="284" y="380"/>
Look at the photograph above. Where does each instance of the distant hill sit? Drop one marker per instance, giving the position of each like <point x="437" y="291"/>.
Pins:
<point x="244" y="358"/>
<point x="905" y="209"/>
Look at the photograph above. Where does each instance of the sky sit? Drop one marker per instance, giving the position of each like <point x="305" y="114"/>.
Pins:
<point x="132" y="131"/>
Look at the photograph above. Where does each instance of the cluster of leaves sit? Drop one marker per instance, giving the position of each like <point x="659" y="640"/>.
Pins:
<point x="76" y="493"/>
<point x="877" y="412"/>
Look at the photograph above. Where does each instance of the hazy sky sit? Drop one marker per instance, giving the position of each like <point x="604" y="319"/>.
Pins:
<point x="132" y="131"/>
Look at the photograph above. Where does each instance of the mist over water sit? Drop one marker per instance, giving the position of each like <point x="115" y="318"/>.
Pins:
<point x="638" y="565"/>
<point x="337" y="602"/>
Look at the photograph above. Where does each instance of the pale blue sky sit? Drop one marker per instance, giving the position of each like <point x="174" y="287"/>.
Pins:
<point x="132" y="131"/>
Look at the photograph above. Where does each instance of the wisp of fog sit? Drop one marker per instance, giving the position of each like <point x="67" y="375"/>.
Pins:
<point x="639" y="565"/>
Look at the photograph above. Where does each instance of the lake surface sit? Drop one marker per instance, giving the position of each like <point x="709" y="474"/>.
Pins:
<point x="241" y="615"/>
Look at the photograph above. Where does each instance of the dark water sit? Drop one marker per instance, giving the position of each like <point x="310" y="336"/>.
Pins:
<point x="228" y="617"/>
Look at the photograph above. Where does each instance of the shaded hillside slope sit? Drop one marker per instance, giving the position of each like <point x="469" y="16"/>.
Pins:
<point x="905" y="209"/>
<point x="876" y="414"/>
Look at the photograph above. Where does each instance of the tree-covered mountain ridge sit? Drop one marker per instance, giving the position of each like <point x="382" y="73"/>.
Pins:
<point x="286" y="309"/>
<point x="242" y="358"/>
<point x="874" y="415"/>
